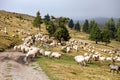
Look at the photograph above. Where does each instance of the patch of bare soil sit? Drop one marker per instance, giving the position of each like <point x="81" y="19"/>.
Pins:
<point x="12" y="67"/>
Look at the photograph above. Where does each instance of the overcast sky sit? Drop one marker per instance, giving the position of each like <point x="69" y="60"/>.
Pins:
<point x="76" y="9"/>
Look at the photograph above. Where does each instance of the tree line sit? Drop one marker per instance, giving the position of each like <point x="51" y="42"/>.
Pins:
<point x="97" y="34"/>
<point x="56" y="27"/>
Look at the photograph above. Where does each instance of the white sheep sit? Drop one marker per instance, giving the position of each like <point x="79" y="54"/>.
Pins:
<point x="55" y="55"/>
<point x="102" y="58"/>
<point x="31" y="54"/>
<point x="75" y="47"/>
<point x="64" y="47"/>
<point x="68" y="49"/>
<point x="80" y="60"/>
<point x="109" y="58"/>
<point x="42" y="51"/>
<point x="95" y="56"/>
<point x="88" y="58"/>
<point x="118" y="59"/>
<point x="15" y="48"/>
<point x="47" y="53"/>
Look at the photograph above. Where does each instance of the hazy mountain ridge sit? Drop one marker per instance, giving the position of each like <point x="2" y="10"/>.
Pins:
<point x="100" y="20"/>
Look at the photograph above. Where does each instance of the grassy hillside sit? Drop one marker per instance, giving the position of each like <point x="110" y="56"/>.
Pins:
<point x="15" y="24"/>
<point x="65" y="68"/>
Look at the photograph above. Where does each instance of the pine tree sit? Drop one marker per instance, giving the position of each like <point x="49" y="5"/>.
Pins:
<point x="51" y="28"/>
<point x="105" y="36"/>
<point x="91" y="25"/>
<point x="37" y="21"/>
<point x="86" y="26"/>
<point x="71" y="24"/>
<point x="62" y="33"/>
<point x="118" y="24"/>
<point x="46" y="19"/>
<point x="95" y="33"/>
<point x="117" y="35"/>
<point x="77" y="26"/>
<point x="110" y="25"/>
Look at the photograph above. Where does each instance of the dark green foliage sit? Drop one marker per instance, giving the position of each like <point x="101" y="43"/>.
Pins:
<point x="77" y="26"/>
<point x="91" y="25"/>
<point x="71" y="24"/>
<point x="86" y="26"/>
<point x="117" y="35"/>
<point x="95" y="33"/>
<point x="118" y="24"/>
<point x="51" y="28"/>
<point x="37" y="21"/>
<point x="46" y="19"/>
<point x="52" y="17"/>
<point x="62" y="33"/>
<point x="57" y="29"/>
<point x="62" y="21"/>
<point x="105" y="36"/>
<point x="110" y="25"/>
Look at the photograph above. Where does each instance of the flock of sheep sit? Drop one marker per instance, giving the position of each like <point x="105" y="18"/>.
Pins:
<point x="31" y="51"/>
<point x="91" y="51"/>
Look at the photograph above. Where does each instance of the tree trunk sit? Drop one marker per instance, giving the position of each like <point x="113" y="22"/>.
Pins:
<point x="96" y="42"/>
<point x="39" y="28"/>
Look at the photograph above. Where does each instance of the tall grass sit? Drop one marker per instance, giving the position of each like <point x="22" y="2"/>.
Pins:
<point x="67" y="69"/>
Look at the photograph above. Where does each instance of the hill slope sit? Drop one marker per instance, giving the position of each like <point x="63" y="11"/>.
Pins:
<point x="17" y="26"/>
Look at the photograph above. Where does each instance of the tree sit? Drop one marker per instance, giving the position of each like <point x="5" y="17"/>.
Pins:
<point x="62" y="33"/>
<point x="118" y="24"/>
<point x="86" y="26"/>
<point x="105" y="36"/>
<point x="117" y="35"/>
<point x="95" y="33"/>
<point x="71" y="24"/>
<point x="91" y="25"/>
<point x="50" y="27"/>
<point x="37" y="21"/>
<point x="77" y="26"/>
<point x="46" y="19"/>
<point x="110" y="25"/>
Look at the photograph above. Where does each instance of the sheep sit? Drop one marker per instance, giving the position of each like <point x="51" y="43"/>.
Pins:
<point x="96" y="56"/>
<point x="47" y="53"/>
<point x="55" y="55"/>
<point x="88" y="58"/>
<point x="31" y="54"/>
<point x="68" y="49"/>
<point x="80" y="60"/>
<point x="114" y="67"/>
<point x="102" y="58"/>
<point x="118" y="59"/>
<point x="75" y="47"/>
<point x="108" y="58"/>
<point x="54" y="43"/>
<point x="15" y="48"/>
<point x="85" y="54"/>
<point x="42" y="51"/>
<point x="64" y="47"/>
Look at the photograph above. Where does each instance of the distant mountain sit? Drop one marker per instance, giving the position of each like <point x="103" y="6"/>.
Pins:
<point x="100" y="20"/>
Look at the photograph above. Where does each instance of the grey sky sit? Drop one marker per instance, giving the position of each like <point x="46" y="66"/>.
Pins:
<point x="76" y="9"/>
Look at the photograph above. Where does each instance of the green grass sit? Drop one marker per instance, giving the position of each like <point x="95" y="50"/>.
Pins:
<point x="67" y="69"/>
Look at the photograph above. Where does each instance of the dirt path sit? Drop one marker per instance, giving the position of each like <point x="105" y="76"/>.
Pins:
<point x="12" y="67"/>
